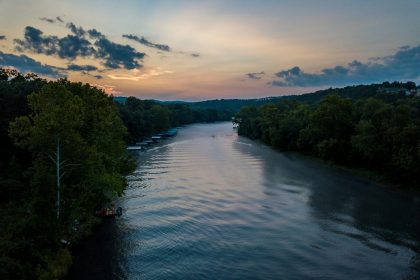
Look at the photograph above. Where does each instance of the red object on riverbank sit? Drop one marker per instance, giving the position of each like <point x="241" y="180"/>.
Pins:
<point x="109" y="212"/>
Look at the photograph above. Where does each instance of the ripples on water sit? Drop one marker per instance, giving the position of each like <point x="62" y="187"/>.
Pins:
<point x="208" y="204"/>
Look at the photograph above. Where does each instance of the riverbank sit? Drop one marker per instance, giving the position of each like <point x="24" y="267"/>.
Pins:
<point x="211" y="204"/>
<point x="95" y="253"/>
<point x="379" y="134"/>
<point x="364" y="174"/>
<point x="59" y="264"/>
<point x="373" y="177"/>
<point x="100" y="252"/>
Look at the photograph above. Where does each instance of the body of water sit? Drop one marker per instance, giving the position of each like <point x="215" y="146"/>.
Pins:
<point x="209" y="204"/>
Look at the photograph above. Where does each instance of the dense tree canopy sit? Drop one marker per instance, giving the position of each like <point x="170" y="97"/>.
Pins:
<point x="380" y="133"/>
<point x="84" y="122"/>
<point x="41" y="119"/>
<point x="144" y="118"/>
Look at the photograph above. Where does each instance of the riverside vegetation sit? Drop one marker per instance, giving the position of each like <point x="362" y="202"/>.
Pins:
<point x="378" y="132"/>
<point x="40" y="119"/>
<point x="91" y="130"/>
<point x="37" y="117"/>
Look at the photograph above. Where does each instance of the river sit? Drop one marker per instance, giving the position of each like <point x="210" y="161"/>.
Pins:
<point x="209" y="204"/>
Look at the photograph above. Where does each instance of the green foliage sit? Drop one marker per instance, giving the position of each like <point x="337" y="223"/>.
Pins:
<point x="143" y="118"/>
<point x="159" y="117"/>
<point x="91" y="135"/>
<point x="249" y="121"/>
<point x="329" y="128"/>
<point x="379" y="133"/>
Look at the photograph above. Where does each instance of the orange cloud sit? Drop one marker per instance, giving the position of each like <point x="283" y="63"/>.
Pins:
<point x="108" y="89"/>
<point x="143" y="74"/>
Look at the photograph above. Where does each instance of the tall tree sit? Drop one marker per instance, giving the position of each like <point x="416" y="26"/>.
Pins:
<point x="84" y="125"/>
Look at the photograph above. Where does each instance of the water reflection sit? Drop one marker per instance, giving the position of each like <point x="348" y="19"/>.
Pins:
<point x="350" y="212"/>
<point x="211" y="205"/>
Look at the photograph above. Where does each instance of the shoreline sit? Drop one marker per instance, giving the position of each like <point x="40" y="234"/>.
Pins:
<point x="360" y="173"/>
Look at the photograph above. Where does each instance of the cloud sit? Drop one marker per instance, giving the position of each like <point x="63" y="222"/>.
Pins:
<point x="402" y="65"/>
<point x="255" y="75"/>
<point x="78" y="31"/>
<point x="75" y="67"/>
<point x="68" y="47"/>
<point x="192" y="54"/>
<point x="52" y="20"/>
<point x="26" y="64"/>
<point x="2" y="37"/>
<point x="147" y="43"/>
<point x="116" y="55"/>
<point x="36" y="42"/>
<point x="78" y="44"/>
<point x="71" y="47"/>
<point x="125" y="77"/>
<point x="138" y="75"/>
<point x="109" y="89"/>
<point x="93" y="33"/>
<point x="160" y="47"/>
<point x="87" y="73"/>
<point x="49" y="20"/>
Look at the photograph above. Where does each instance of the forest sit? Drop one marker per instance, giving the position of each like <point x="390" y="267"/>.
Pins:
<point x="378" y="132"/>
<point x="144" y="118"/>
<point x="44" y="124"/>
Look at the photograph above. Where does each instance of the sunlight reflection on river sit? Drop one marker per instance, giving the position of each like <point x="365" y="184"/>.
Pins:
<point x="208" y="204"/>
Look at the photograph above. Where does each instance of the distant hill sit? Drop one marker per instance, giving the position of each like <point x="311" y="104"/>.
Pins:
<point x="235" y="104"/>
<point x="353" y="92"/>
<point x="120" y="99"/>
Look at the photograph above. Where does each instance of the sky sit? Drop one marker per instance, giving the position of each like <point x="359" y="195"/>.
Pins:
<point x="198" y="50"/>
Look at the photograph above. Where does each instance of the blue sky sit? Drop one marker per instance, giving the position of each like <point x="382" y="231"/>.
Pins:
<point x="196" y="50"/>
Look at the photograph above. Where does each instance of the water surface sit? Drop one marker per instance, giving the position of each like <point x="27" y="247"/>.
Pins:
<point x="209" y="204"/>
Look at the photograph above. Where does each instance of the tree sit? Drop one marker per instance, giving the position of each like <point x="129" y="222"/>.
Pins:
<point x="159" y="116"/>
<point x="248" y="120"/>
<point x="329" y="130"/>
<point x="294" y="118"/>
<point x="85" y="126"/>
<point x="371" y="139"/>
<point x="78" y="127"/>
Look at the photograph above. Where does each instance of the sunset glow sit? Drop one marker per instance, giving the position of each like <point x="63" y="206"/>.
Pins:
<point x="196" y="50"/>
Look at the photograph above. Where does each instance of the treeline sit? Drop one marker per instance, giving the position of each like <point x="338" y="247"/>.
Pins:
<point x="44" y="124"/>
<point x="144" y="118"/>
<point x="78" y="128"/>
<point x="354" y="92"/>
<point x="380" y="133"/>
